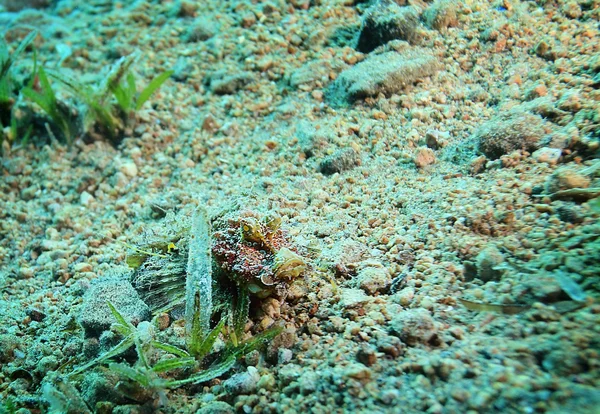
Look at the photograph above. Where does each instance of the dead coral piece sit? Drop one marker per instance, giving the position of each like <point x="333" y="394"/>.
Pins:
<point x="387" y="73"/>
<point x="510" y="131"/>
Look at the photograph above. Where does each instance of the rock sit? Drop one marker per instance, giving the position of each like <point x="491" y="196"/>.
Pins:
<point x="308" y="382"/>
<point x="8" y="344"/>
<point x="310" y="139"/>
<point x="351" y="298"/>
<point x="310" y="74"/>
<point x="284" y="356"/>
<point x="373" y="279"/>
<point x="96" y="316"/>
<point x="424" y="157"/>
<point x="566" y="178"/>
<point x="387" y="21"/>
<point x="414" y="326"/>
<point x="86" y="199"/>
<point x="486" y="261"/>
<point x="386" y="73"/>
<point x="367" y="355"/>
<point x="340" y="161"/>
<point x="548" y="155"/>
<point x="129" y="169"/>
<point x="216" y="407"/>
<point x="509" y="132"/>
<point x="441" y="15"/>
<point x="200" y="30"/>
<point x="242" y="383"/>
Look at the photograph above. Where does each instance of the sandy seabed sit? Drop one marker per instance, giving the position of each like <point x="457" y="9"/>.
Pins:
<point x="434" y="166"/>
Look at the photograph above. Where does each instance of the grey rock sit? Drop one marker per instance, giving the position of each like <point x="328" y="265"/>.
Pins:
<point x="442" y="14"/>
<point x="8" y="344"/>
<point x="386" y="73"/>
<point x="414" y="326"/>
<point x="510" y="131"/>
<point x="487" y="261"/>
<point x="340" y="161"/>
<point x="200" y="30"/>
<point x="351" y="298"/>
<point x="216" y="407"/>
<point x="96" y="316"/>
<point x="242" y="383"/>
<point x="387" y="21"/>
<point x="373" y="279"/>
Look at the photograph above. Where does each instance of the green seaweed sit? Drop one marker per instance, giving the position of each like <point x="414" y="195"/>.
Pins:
<point x="7" y="97"/>
<point x="45" y="98"/>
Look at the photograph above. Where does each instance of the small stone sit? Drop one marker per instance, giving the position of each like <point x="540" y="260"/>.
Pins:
<point x="548" y="155"/>
<point x="385" y="73"/>
<point x="85" y="199"/>
<point x="509" y="132"/>
<point x="367" y="355"/>
<point x="340" y="161"/>
<point x="242" y="383"/>
<point x="216" y="407"/>
<point x="284" y="356"/>
<point x="387" y="21"/>
<point x="414" y="326"/>
<point x="566" y="178"/>
<point x="442" y="15"/>
<point x="424" y="157"/>
<point x="351" y="298"/>
<point x="487" y="262"/>
<point x="129" y="169"/>
<point x="373" y="279"/>
<point x="96" y="316"/>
